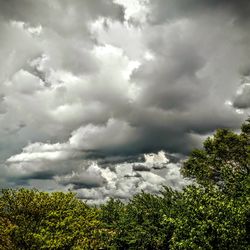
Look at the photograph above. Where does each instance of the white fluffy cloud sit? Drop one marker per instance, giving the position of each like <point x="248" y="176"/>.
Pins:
<point x="122" y="180"/>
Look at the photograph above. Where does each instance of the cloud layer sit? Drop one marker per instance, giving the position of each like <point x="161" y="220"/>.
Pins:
<point x="88" y="87"/>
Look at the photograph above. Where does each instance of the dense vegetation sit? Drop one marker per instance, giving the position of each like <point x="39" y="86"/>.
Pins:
<point x="214" y="213"/>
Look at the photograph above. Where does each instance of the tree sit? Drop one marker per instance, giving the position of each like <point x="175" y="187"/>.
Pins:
<point x="140" y="224"/>
<point x="41" y="220"/>
<point x="216" y="213"/>
<point x="209" y="219"/>
<point x="224" y="161"/>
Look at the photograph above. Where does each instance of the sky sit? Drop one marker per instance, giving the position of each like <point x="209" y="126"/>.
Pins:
<point x="107" y="98"/>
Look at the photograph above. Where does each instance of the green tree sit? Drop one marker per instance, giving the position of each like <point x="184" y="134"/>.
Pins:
<point x="139" y="224"/>
<point x="209" y="219"/>
<point x="41" y="220"/>
<point x="216" y="213"/>
<point x="224" y="161"/>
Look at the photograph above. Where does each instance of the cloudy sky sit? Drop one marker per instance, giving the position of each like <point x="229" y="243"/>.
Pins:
<point x="107" y="97"/>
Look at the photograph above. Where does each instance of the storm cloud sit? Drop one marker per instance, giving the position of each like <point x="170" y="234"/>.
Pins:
<point x="108" y="97"/>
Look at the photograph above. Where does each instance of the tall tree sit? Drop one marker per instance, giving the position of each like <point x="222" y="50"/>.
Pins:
<point x="224" y="160"/>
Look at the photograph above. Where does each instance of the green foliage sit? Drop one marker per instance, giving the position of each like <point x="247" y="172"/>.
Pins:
<point x="224" y="161"/>
<point x="214" y="213"/>
<point x="47" y="221"/>
<point x="209" y="219"/>
<point x="5" y="240"/>
<point x="140" y="224"/>
<point x="111" y="211"/>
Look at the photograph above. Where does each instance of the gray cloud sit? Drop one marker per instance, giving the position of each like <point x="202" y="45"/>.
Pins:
<point x="97" y="181"/>
<point x="97" y="81"/>
<point x="87" y="179"/>
<point x="165" y="10"/>
<point x="242" y="99"/>
<point x="74" y="11"/>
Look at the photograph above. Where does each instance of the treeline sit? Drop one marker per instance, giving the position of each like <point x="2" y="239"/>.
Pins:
<point x="214" y="213"/>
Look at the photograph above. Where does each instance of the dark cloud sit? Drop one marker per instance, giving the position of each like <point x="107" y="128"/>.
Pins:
<point x="82" y="182"/>
<point x="242" y="99"/>
<point x="61" y="15"/>
<point x="167" y="10"/>
<point x="140" y="167"/>
<point x="89" y="87"/>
